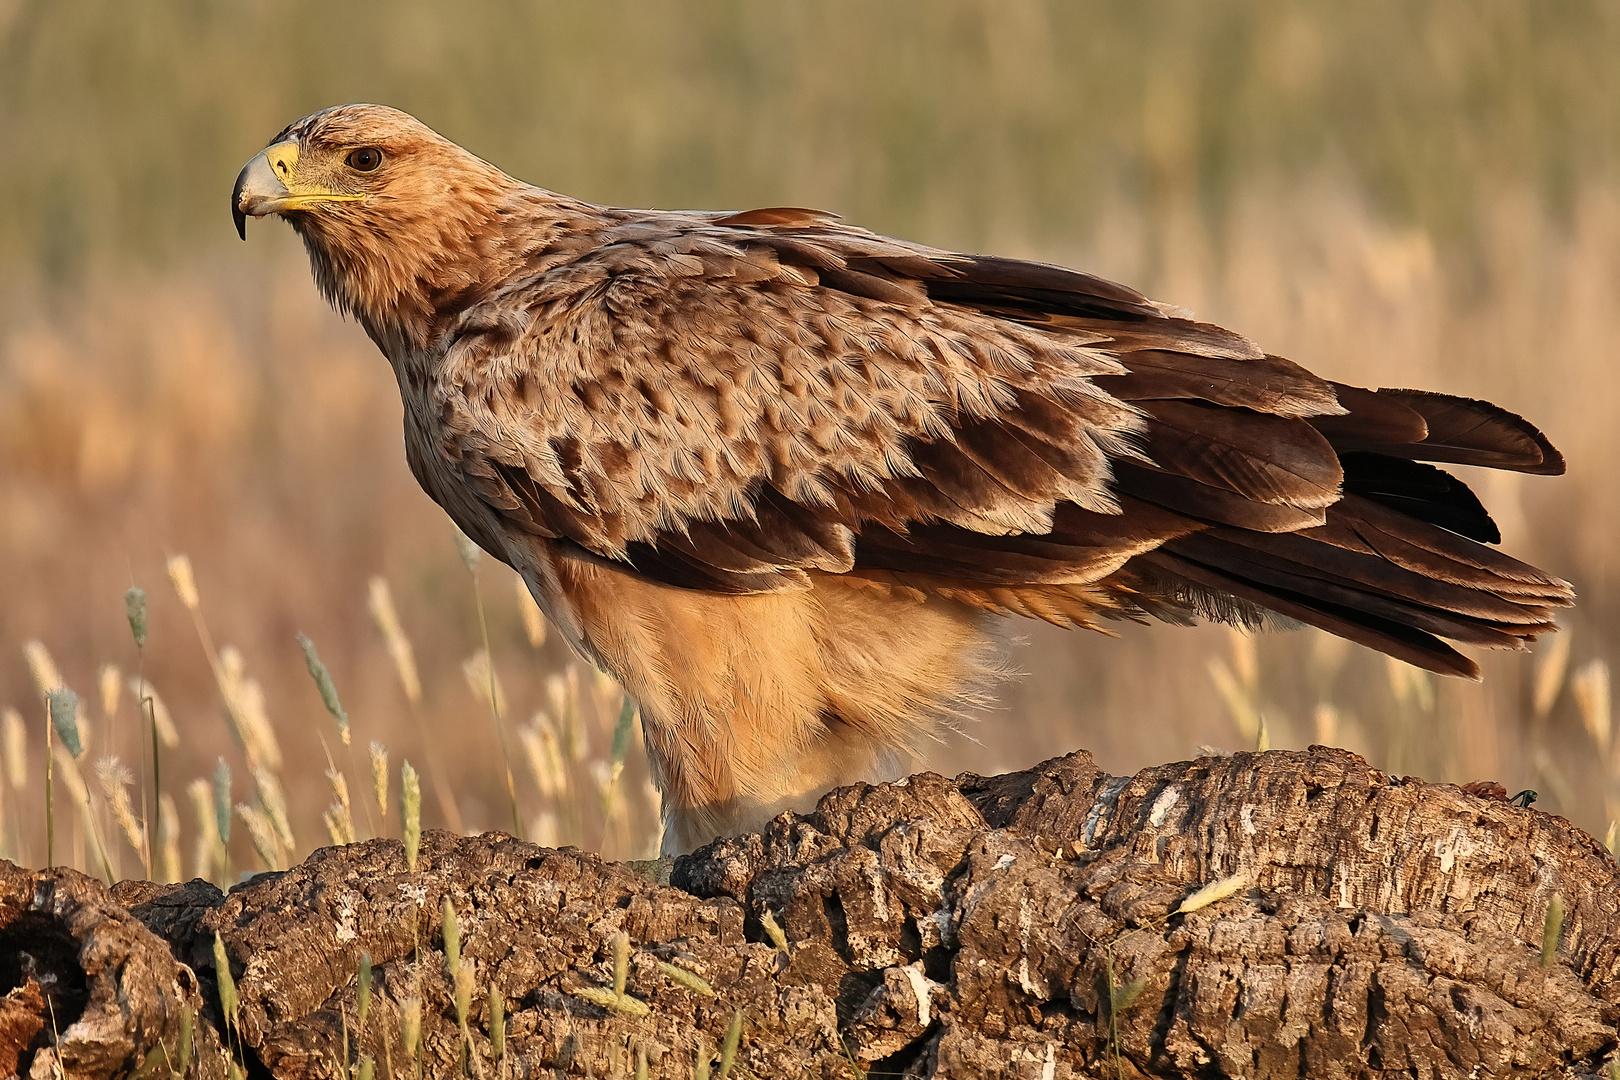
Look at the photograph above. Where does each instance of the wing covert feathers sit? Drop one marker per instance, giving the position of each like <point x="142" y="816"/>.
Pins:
<point x="736" y="401"/>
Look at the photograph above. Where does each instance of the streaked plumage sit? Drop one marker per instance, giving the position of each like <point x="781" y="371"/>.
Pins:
<point x="774" y="472"/>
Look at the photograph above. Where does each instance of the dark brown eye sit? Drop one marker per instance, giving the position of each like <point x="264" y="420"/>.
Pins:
<point x="365" y="159"/>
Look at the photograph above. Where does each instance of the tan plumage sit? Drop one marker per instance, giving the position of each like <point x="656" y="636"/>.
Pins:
<point x="774" y="472"/>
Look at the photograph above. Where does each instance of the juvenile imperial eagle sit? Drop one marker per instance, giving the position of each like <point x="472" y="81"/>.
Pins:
<point x="776" y="473"/>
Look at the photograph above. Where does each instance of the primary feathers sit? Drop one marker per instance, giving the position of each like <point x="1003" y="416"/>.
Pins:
<point x="774" y="472"/>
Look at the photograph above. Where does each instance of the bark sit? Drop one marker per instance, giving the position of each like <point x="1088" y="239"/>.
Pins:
<point x="89" y="991"/>
<point x="1017" y="926"/>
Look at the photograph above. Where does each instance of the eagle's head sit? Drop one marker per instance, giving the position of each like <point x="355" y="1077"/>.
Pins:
<point x="399" y="221"/>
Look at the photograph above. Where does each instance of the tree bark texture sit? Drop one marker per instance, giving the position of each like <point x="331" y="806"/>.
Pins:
<point x="1042" y="924"/>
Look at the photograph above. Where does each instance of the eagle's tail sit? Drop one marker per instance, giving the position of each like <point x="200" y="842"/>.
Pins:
<point x="1402" y="560"/>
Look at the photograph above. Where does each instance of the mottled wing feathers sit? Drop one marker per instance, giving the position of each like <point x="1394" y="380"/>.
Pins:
<point x="756" y="414"/>
<point x="729" y="403"/>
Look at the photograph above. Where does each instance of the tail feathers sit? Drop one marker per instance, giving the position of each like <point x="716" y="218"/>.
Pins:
<point x="1421" y="491"/>
<point x="1422" y="548"/>
<point x="1376" y="632"/>
<point x="1398" y="562"/>
<point x="1438" y="427"/>
<point x="1376" y="576"/>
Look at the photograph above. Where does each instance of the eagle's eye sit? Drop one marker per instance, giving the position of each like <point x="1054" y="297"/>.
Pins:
<point x="365" y="159"/>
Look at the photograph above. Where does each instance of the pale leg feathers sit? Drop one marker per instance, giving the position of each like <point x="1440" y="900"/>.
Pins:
<point x="752" y="705"/>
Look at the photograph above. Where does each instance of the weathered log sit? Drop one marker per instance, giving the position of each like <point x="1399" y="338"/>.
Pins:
<point x="1037" y="924"/>
<point x="89" y="991"/>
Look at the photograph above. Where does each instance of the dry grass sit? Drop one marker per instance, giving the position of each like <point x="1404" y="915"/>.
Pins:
<point x="214" y="407"/>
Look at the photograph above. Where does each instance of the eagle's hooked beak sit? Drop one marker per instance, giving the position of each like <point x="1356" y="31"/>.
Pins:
<point x="266" y="185"/>
<point x="261" y="186"/>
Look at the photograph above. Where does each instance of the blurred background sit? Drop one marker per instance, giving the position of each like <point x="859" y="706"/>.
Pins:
<point x="1391" y="193"/>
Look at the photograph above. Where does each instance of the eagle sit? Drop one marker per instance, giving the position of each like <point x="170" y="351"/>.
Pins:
<point x="778" y="475"/>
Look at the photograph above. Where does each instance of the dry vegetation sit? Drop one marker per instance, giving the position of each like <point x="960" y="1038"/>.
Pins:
<point x="1390" y="197"/>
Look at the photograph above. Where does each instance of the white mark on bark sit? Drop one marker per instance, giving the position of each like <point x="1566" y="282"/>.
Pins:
<point x="1161" y="806"/>
<point x="1450" y="848"/>
<point x="1247" y="817"/>
<point x="1026" y="923"/>
<point x="1004" y="862"/>
<point x="880" y="899"/>
<point x="345" y="923"/>
<point x="1104" y="804"/>
<point x="920" y="987"/>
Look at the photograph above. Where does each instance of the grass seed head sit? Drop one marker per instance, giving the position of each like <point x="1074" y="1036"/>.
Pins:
<point x="484" y="683"/>
<point x="274" y="804"/>
<point x="381" y="604"/>
<point x="244" y="703"/>
<point x="262" y="835"/>
<point x="183" y="1044"/>
<point x="338" y="819"/>
<point x="202" y="802"/>
<point x="451" y="928"/>
<point x="227" y="985"/>
<point x="339" y="826"/>
<point x="209" y="843"/>
<point x="1590" y="686"/>
<point x="544" y="754"/>
<point x="42" y="667"/>
<point x="184" y="582"/>
<point x="621" y="961"/>
<point x="604" y="997"/>
<point x="222" y="801"/>
<point x="147" y="698"/>
<point x="168" y="839"/>
<point x="728" y="1048"/>
<point x="324" y="683"/>
<point x="379" y="775"/>
<point x="135" y="612"/>
<point x="497" y="1022"/>
<point x="109" y="679"/>
<point x="115" y="779"/>
<point x="689" y="979"/>
<point x="410" y="1025"/>
<point x="1212" y="893"/>
<point x="363" y="989"/>
<point x="621" y="732"/>
<point x="1552" y="663"/>
<point x="64" y="709"/>
<point x="774" y="931"/>
<point x="410" y="812"/>
<point x="14" y="745"/>
<point x="340" y="787"/>
<point x="463" y="983"/>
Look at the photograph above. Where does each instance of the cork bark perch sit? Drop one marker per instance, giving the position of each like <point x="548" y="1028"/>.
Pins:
<point x="1012" y="926"/>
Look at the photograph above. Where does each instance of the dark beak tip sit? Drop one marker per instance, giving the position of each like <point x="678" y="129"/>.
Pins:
<point x="241" y="221"/>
